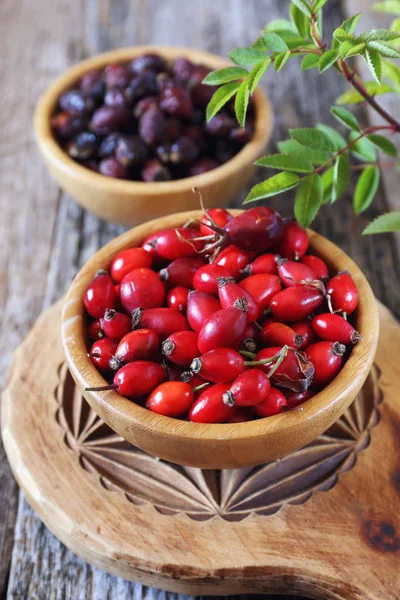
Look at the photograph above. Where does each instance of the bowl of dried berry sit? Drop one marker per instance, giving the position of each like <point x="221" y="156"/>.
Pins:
<point x="124" y="133"/>
<point x="220" y="339"/>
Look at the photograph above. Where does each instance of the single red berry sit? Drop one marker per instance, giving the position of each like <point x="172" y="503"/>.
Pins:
<point x="255" y="229"/>
<point x="250" y="338"/>
<point x="317" y="265"/>
<point x="181" y="348"/>
<point x="263" y="288"/>
<point x="298" y="398"/>
<point x="115" y="324"/>
<point x="304" y="329"/>
<point x="100" y="295"/>
<point x="163" y="321"/>
<point x="209" y="406"/>
<point x="334" y="328"/>
<point x="265" y="263"/>
<point x="135" y="379"/>
<point x="220" y="216"/>
<point x="181" y="271"/>
<point x="279" y="334"/>
<point x="150" y="245"/>
<point x="178" y="242"/>
<point x="102" y="355"/>
<point x="295" y="303"/>
<point x="171" y="399"/>
<point x="294" y="273"/>
<point x="205" y="278"/>
<point x="273" y="404"/>
<point x="178" y="298"/>
<point x="141" y="344"/>
<point x="294" y="243"/>
<point x="223" y="329"/>
<point x="220" y="365"/>
<point x="95" y="331"/>
<point x="141" y="288"/>
<point x="231" y="294"/>
<point x="234" y="260"/>
<point x="200" y="306"/>
<point x="249" y="388"/>
<point x="327" y="358"/>
<point x="127" y="260"/>
<point x="343" y="293"/>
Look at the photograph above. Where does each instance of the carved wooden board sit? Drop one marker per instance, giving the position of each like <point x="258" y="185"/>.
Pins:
<point x="323" y="521"/>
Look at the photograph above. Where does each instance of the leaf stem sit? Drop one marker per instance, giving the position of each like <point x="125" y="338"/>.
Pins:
<point x="380" y="165"/>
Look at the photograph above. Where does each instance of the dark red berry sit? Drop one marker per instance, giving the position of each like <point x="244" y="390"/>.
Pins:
<point x="66" y="125"/>
<point x="111" y="167"/>
<point x="154" y="170"/>
<point x="102" y="355"/>
<point x="181" y="271"/>
<point x="294" y="243"/>
<point x="295" y="372"/>
<point x="152" y="125"/>
<point x="220" y="125"/>
<point x="182" y="69"/>
<point x="152" y="62"/>
<point x="117" y="76"/>
<point x="74" y="101"/>
<point x="327" y="358"/>
<point x="131" y="151"/>
<point x="242" y="135"/>
<point x="202" y="166"/>
<point x="143" y="105"/>
<point x="109" y="145"/>
<point x="108" y="118"/>
<point x="219" y="216"/>
<point x="100" y="295"/>
<point x="116" y="97"/>
<point x="298" y="398"/>
<point x="171" y="399"/>
<point x="92" y="84"/>
<point x="83" y="146"/>
<point x="95" y="331"/>
<point x="141" y="288"/>
<point x="183" y="151"/>
<point x="143" y="85"/>
<point x="173" y="130"/>
<point x="176" y="101"/>
<point x="334" y="328"/>
<point x="255" y="229"/>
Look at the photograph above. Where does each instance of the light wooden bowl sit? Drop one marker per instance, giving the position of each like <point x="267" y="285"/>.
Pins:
<point x="133" y="202"/>
<point x="226" y="445"/>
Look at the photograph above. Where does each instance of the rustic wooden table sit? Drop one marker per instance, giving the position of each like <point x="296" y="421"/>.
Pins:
<point x="45" y="237"/>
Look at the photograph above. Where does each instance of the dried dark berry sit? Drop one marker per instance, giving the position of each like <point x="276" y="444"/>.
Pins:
<point x="109" y="118"/>
<point x="183" y="151"/>
<point x="176" y="101"/>
<point x="92" y="84"/>
<point x="111" y="167"/>
<point x="152" y="62"/>
<point x="75" y="101"/>
<point x="220" y="125"/>
<point x="173" y="130"/>
<point x="203" y="165"/>
<point x="91" y="164"/>
<point x="199" y="72"/>
<point x="116" y="97"/>
<point x="144" y="84"/>
<point x="143" y="105"/>
<point x="66" y="125"/>
<point x="196" y="134"/>
<point x="117" y="76"/>
<point x="241" y="135"/>
<point x="182" y="70"/>
<point x="153" y="170"/>
<point x="197" y="116"/>
<point x="109" y="145"/>
<point x="152" y="125"/>
<point x="83" y="146"/>
<point x="201" y="94"/>
<point x="163" y="152"/>
<point x="223" y="151"/>
<point x="131" y="151"/>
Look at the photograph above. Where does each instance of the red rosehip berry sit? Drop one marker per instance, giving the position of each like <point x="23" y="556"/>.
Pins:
<point x="178" y="298"/>
<point x="234" y="260"/>
<point x="102" y="355"/>
<point x="304" y="329"/>
<point x="223" y="329"/>
<point x="343" y="293"/>
<point x="327" y="358"/>
<point x="210" y="407"/>
<point x="250" y="338"/>
<point x="181" y="348"/>
<point x="294" y="243"/>
<point x="171" y="399"/>
<point x="163" y="321"/>
<point x="263" y="264"/>
<point x="181" y="271"/>
<point x="231" y="295"/>
<point x="95" y="331"/>
<point x="141" y="344"/>
<point x="295" y="303"/>
<point x="206" y="278"/>
<point x="255" y="229"/>
<point x="141" y="288"/>
<point x="263" y="288"/>
<point x="220" y="217"/>
<point x="249" y="388"/>
<point x="295" y="372"/>
<point x="100" y="295"/>
<point x="334" y="328"/>
<point x="274" y="333"/>
<point x="294" y="273"/>
<point x="135" y="379"/>
<point x="200" y="306"/>
<point x="298" y="398"/>
<point x="273" y="404"/>
<point x="115" y="324"/>
<point x="220" y="365"/>
<point x="127" y="260"/>
<point x="178" y="242"/>
<point x="317" y="265"/>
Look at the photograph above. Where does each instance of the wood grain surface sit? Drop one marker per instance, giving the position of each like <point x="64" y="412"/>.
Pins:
<point x="45" y="237"/>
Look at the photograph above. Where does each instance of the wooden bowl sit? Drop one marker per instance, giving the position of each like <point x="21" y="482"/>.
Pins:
<point x="133" y="202"/>
<point x="225" y="445"/>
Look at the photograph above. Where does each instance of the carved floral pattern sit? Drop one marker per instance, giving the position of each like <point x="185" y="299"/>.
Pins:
<point x="204" y="494"/>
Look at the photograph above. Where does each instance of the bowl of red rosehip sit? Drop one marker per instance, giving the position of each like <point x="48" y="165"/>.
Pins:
<point x="124" y="133"/>
<point x="220" y="339"/>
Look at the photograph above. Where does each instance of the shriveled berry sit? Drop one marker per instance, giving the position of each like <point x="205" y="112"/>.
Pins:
<point x="163" y="321"/>
<point x="263" y="288"/>
<point x="108" y="146"/>
<point x="115" y="324"/>
<point x="116" y="76"/>
<point x="202" y="166"/>
<point x="295" y="303"/>
<point x="327" y="358"/>
<point x="100" y="295"/>
<point x="249" y="388"/>
<point x="343" y="293"/>
<point x="102" y="355"/>
<point x="209" y="406"/>
<point x="131" y="151"/>
<point x="83" y="146"/>
<point x="178" y="298"/>
<point x="334" y="328"/>
<point x="181" y="348"/>
<point x="273" y="404"/>
<point x="250" y="338"/>
<point x="154" y="170"/>
<point x="200" y="306"/>
<point x="92" y="84"/>
<point x="127" y="260"/>
<point x="151" y="62"/>
<point x="183" y="151"/>
<point x="141" y="344"/>
<point x="220" y="365"/>
<point x="176" y="101"/>
<point x="201" y="93"/>
<point x="295" y="372"/>
<point x="111" y="167"/>
<point x="242" y="135"/>
<point x="109" y="118"/>
<point x="223" y="329"/>
<point x="173" y="130"/>
<point x="163" y="152"/>
<point x="144" y="84"/>
<point x="116" y="97"/>
<point x="152" y="125"/>
<point x="181" y="271"/>
<point x="171" y="399"/>
<point x="182" y="69"/>
<point x="294" y="243"/>
<point x="66" y="125"/>
<point x="143" y="105"/>
<point x="206" y="278"/>
<point x="219" y="216"/>
<point x="74" y="101"/>
<point x="317" y="265"/>
<point x="141" y="288"/>
<point x="220" y="125"/>
<point x="196" y="134"/>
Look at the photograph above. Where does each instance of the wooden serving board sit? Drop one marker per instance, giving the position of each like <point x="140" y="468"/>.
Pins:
<point x="323" y="522"/>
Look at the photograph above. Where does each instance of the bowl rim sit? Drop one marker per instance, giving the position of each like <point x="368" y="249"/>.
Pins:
<point x="53" y="151"/>
<point x="119" y="407"/>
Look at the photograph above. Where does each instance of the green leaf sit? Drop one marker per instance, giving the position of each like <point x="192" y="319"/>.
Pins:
<point x="318" y="4"/>
<point x="308" y="199"/>
<point x="354" y="50"/>
<point x="246" y="57"/>
<point x="379" y="35"/>
<point x="225" y="75"/>
<point x="383" y="144"/>
<point x="280" y="60"/>
<point x="373" y="88"/>
<point x="256" y="74"/>
<point x="341" y="176"/>
<point x="286" y="162"/>
<point x="312" y="138"/>
<point x="278" y="25"/>
<point x="220" y="98"/>
<point x="241" y="103"/>
<point x="328" y="59"/>
<point x="259" y="44"/>
<point x="384" y="49"/>
<point x="345" y="47"/>
<point x="388" y="6"/>
<point x="366" y="188"/>
<point x="303" y="6"/>
<point x="296" y="149"/>
<point x="374" y="62"/>
<point x="350" y="24"/>
<point x="387" y="223"/>
<point x="272" y="186"/>
<point x="336" y="138"/>
<point x="395" y="26"/>
<point x="327" y="183"/>
<point x="274" y="42"/>
<point x="345" y="117"/>
<point x="295" y="42"/>
<point x="301" y="21"/>
<point x="309" y="61"/>
<point x="342" y="36"/>
<point x="363" y="149"/>
<point x="391" y="71"/>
